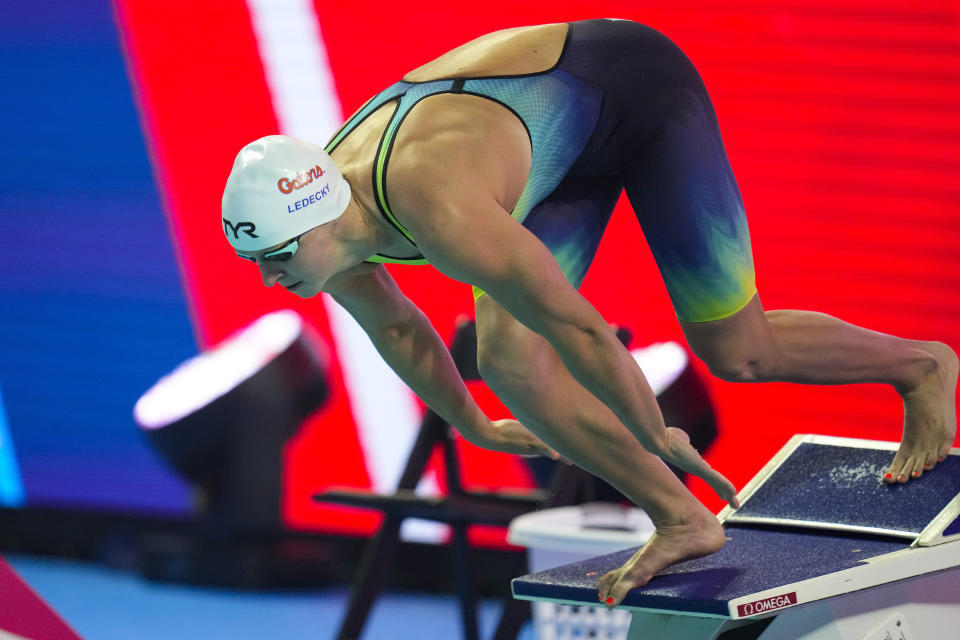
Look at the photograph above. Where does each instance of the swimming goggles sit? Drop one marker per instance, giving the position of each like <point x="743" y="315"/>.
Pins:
<point x="281" y="254"/>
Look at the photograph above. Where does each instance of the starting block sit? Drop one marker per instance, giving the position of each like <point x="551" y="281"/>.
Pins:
<point x="820" y="549"/>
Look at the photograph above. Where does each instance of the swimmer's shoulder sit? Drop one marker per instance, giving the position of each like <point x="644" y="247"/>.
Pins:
<point x="453" y="146"/>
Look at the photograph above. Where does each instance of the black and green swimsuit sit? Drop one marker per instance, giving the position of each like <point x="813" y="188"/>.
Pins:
<point x="623" y="107"/>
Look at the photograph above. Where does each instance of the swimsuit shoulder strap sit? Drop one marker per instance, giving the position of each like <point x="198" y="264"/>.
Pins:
<point x="407" y="95"/>
<point x="414" y="93"/>
<point x="390" y="93"/>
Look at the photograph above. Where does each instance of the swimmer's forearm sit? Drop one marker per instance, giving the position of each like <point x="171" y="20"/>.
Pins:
<point x="415" y="351"/>
<point x="594" y="356"/>
<point x="519" y="273"/>
<point x="598" y="360"/>
<point x="631" y="398"/>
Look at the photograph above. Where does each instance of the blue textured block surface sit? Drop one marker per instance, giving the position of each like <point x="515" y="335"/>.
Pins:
<point x="842" y="485"/>
<point x="753" y="560"/>
<point x="952" y="528"/>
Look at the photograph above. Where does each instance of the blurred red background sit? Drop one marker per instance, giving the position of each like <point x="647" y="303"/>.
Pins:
<point x="840" y="120"/>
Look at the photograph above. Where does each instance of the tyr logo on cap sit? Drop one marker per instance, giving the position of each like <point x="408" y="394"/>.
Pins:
<point x="287" y="185"/>
<point x="247" y="227"/>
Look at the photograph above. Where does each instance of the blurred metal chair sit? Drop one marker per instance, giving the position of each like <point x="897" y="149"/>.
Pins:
<point x="460" y="509"/>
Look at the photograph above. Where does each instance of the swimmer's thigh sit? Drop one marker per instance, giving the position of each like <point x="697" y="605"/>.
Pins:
<point x="685" y="196"/>
<point x="571" y="221"/>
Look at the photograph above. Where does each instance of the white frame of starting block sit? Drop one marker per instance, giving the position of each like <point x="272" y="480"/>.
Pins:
<point x="836" y="606"/>
<point x="930" y="536"/>
<point x="902" y="610"/>
<point x="902" y="595"/>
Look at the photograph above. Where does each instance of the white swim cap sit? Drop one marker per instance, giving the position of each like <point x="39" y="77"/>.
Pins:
<point x="279" y="188"/>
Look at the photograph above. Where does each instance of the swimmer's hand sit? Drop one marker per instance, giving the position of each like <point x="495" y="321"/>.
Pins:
<point x="681" y="454"/>
<point x="512" y="437"/>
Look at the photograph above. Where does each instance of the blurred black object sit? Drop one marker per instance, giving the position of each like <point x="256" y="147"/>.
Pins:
<point x="222" y="418"/>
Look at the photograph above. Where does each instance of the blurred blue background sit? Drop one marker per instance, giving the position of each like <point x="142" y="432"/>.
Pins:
<point x="93" y="308"/>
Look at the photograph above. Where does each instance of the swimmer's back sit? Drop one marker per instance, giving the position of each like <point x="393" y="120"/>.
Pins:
<point x="518" y="51"/>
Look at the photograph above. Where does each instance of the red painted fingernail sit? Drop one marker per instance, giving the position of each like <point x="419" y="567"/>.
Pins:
<point x="609" y="600"/>
<point x="899" y="478"/>
<point x="915" y="474"/>
<point x="941" y="459"/>
<point x="928" y="466"/>
<point x="888" y="476"/>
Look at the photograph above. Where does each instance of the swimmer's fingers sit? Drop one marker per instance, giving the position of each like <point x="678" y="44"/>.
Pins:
<point x="680" y="453"/>
<point x="513" y="437"/>
<point x="723" y="488"/>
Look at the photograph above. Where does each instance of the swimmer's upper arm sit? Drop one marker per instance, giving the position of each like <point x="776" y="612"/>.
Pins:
<point x="485" y="247"/>
<point x="452" y="183"/>
<point x="470" y="237"/>
<point x="448" y="196"/>
<point x="372" y="297"/>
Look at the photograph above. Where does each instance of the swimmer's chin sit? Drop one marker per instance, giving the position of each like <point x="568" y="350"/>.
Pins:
<point x="303" y="290"/>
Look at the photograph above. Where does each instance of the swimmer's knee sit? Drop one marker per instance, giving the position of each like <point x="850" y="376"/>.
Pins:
<point x="512" y="359"/>
<point x="502" y="365"/>
<point x="732" y="368"/>
<point x="738" y="348"/>
<point x="731" y="360"/>
<point x="749" y="361"/>
<point x="508" y="353"/>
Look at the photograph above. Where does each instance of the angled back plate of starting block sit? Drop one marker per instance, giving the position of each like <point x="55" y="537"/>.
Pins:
<point x="817" y="522"/>
<point x="822" y="482"/>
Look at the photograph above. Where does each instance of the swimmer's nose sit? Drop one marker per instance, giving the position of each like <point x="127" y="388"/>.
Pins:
<point x="271" y="275"/>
